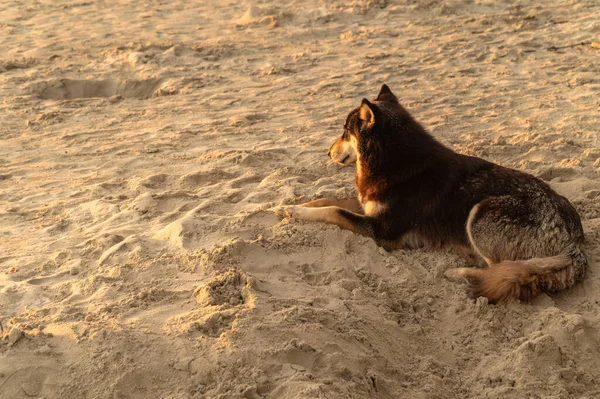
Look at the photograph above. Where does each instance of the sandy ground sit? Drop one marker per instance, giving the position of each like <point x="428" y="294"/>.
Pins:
<point x="143" y="143"/>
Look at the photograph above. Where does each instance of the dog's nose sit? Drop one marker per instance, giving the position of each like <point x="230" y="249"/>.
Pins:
<point x="329" y="153"/>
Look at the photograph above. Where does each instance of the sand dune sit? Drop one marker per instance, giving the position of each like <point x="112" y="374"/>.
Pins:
<point x="143" y="144"/>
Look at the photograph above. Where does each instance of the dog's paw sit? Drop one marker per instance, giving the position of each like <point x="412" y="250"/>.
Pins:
<point x="286" y="211"/>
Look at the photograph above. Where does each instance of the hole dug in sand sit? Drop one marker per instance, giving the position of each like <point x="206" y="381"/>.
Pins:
<point x="69" y="89"/>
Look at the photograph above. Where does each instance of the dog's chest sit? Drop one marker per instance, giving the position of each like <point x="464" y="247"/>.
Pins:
<point x="373" y="208"/>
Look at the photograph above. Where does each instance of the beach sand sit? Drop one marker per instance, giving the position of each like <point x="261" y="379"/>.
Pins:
<point x="142" y="145"/>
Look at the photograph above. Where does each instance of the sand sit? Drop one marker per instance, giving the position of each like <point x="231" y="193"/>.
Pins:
<point x="142" y="145"/>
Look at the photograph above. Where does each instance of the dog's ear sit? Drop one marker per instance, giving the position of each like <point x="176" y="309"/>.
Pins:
<point x="385" y="94"/>
<point x="367" y="112"/>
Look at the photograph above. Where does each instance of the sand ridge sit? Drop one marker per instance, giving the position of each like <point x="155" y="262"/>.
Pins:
<point x="142" y="146"/>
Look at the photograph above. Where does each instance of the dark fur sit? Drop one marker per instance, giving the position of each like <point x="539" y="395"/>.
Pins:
<point x="428" y="192"/>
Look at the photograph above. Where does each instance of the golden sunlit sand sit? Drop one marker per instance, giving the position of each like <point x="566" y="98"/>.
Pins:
<point x="142" y="145"/>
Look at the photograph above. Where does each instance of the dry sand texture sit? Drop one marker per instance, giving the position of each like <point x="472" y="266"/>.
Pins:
<point x="142" y="142"/>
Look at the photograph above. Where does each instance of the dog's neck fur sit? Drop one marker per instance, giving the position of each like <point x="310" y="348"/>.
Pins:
<point x="398" y="155"/>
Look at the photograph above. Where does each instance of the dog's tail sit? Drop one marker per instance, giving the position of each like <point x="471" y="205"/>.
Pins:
<point x="523" y="279"/>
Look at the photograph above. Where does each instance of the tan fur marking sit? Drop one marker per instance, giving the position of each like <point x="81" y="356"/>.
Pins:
<point x="374" y="208"/>
<point x="410" y="240"/>
<point x="354" y="144"/>
<point x="510" y="280"/>
<point x="366" y="114"/>
<point x="344" y="152"/>
<point x="351" y="204"/>
<point x="470" y="219"/>
<point x="327" y="214"/>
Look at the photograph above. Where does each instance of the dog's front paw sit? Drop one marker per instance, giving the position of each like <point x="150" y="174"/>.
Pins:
<point x="286" y="211"/>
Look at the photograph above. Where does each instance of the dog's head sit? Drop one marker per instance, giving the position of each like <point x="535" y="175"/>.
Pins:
<point x="360" y="122"/>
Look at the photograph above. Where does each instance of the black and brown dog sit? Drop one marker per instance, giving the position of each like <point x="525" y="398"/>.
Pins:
<point x="415" y="192"/>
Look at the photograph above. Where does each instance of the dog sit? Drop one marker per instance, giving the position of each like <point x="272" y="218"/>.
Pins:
<point x="414" y="192"/>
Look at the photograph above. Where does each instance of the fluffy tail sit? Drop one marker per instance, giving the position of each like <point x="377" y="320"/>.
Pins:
<point x="523" y="279"/>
